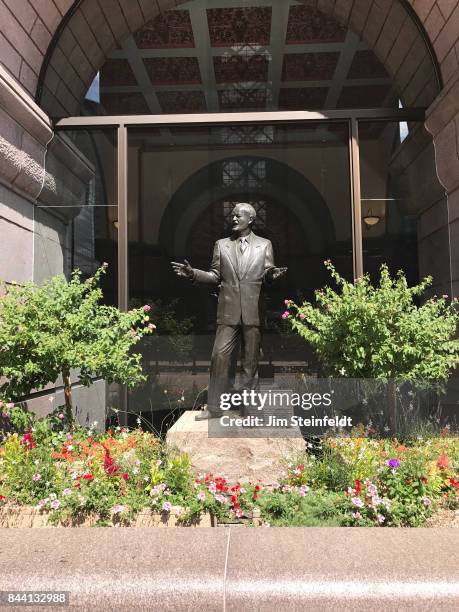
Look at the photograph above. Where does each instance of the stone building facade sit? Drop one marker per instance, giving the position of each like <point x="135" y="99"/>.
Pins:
<point x="51" y="50"/>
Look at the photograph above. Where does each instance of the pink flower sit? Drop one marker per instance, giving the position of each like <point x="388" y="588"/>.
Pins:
<point x="67" y="492"/>
<point x="303" y="490"/>
<point x="381" y="518"/>
<point x="10" y="405"/>
<point x="36" y="477"/>
<point x="445" y="296"/>
<point x="167" y="506"/>
<point x="356" y="515"/>
<point x="117" y="509"/>
<point x="147" y="308"/>
<point x="302" y="316"/>
<point x="151" y="326"/>
<point x="357" y="502"/>
<point x="287" y="302"/>
<point x="55" y="504"/>
<point x="426" y="501"/>
<point x="201" y="496"/>
<point x="61" y="416"/>
<point x="285" y="314"/>
<point x="5" y="415"/>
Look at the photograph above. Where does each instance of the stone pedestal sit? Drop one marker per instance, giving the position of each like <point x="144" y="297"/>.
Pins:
<point x="251" y="456"/>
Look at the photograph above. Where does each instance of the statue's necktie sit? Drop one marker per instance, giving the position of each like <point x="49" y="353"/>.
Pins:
<point x="243" y="245"/>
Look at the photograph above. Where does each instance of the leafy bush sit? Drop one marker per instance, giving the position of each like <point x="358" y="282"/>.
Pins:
<point x="48" y="330"/>
<point x="362" y="331"/>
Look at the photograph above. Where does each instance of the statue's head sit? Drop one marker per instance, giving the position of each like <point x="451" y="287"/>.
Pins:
<point x="244" y="215"/>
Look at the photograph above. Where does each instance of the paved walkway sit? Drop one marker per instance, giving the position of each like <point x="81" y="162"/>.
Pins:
<point x="236" y="569"/>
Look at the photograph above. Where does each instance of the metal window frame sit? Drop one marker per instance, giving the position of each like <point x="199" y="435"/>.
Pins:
<point x="123" y="122"/>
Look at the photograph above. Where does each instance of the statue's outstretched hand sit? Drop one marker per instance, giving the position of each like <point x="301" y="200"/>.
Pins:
<point x="183" y="269"/>
<point x="278" y="273"/>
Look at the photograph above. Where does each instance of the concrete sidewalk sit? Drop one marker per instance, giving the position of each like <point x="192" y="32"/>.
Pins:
<point x="235" y="568"/>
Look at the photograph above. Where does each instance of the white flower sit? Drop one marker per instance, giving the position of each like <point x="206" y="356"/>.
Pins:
<point x="342" y="371"/>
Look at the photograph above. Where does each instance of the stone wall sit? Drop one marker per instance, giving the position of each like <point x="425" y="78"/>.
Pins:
<point x="33" y="238"/>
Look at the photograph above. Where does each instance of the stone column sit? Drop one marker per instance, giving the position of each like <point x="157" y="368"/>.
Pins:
<point x="443" y="123"/>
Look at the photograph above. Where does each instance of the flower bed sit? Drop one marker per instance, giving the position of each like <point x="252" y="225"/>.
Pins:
<point x="124" y="477"/>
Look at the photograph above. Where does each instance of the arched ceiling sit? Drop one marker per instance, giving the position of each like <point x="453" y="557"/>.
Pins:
<point x="310" y="54"/>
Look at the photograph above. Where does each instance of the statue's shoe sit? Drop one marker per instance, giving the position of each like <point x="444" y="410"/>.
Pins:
<point x="204" y="415"/>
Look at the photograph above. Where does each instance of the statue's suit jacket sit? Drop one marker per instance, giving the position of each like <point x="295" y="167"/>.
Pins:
<point x="241" y="290"/>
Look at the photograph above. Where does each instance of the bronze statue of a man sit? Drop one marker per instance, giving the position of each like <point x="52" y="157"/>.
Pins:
<point x="241" y="265"/>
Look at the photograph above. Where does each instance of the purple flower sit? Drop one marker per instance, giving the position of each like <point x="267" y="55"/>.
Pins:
<point x="167" y="506"/>
<point x="393" y="463"/>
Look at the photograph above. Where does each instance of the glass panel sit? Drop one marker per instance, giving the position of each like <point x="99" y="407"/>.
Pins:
<point x="243" y="56"/>
<point x="76" y="215"/>
<point x="183" y="185"/>
<point x="398" y="185"/>
<point x="74" y="227"/>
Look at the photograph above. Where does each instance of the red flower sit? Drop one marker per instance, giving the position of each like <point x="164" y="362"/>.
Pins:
<point x="28" y="440"/>
<point x="257" y="487"/>
<point x="455" y="483"/>
<point x="110" y="466"/>
<point x="125" y="476"/>
<point x="357" y="487"/>
<point x="2" y="498"/>
<point x="443" y="462"/>
<point x="88" y="476"/>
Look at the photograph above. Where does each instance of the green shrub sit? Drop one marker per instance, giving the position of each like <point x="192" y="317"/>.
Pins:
<point x="47" y="330"/>
<point x="362" y="331"/>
